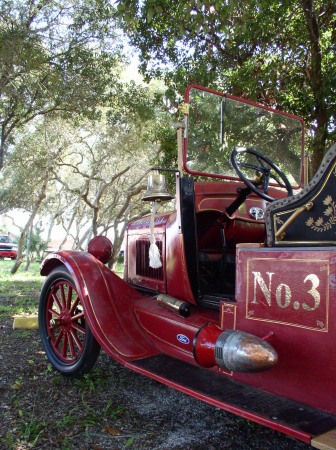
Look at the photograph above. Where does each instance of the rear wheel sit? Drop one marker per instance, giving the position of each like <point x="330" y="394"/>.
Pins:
<point x="66" y="337"/>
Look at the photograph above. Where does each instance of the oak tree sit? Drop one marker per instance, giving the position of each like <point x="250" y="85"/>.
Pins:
<point x="55" y="56"/>
<point x="279" y="53"/>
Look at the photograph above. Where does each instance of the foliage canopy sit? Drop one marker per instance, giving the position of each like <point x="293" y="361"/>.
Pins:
<point x="54" y="56"/>
<point x="279" y="53"/>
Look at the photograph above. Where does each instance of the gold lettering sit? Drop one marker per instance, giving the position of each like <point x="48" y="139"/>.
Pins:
<point x="313" y="292"/>
<point x="288" y="295"/>
<point x="265" y="290"/>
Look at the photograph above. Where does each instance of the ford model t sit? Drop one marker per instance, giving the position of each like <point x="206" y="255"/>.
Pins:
<point x="231" y="296"/>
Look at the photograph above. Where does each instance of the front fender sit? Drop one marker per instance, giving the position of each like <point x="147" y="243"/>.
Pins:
<point x="108" y="303"/>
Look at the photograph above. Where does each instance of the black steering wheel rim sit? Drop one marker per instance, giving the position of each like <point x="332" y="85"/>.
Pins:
<point x="264" y="170"/>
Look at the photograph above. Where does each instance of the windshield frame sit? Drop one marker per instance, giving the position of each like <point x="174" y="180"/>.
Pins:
<point x="243" y="101"/>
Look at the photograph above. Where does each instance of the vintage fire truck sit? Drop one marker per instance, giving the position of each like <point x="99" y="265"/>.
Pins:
<point x="230" y="297"/>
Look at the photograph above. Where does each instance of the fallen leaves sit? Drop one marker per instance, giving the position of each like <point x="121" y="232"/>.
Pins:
<point x="113" y="431"/>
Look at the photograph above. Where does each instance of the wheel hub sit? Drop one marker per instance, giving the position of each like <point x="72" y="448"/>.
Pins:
<point x="65" y="320"/>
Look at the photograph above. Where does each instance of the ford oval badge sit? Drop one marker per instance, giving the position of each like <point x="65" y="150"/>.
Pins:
<point x="183" y="339"/>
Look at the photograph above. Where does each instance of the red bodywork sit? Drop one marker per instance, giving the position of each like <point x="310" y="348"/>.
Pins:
<point x="282" y="295"/>
<point x="8" y="254"/>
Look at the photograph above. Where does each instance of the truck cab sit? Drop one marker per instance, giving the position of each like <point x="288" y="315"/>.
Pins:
<point x="216" y="212"/>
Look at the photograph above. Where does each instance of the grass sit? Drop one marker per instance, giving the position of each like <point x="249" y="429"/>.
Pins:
<point x="119" y="269"/>
<point x="19" y="292"/>
<point x="30" y="427"/>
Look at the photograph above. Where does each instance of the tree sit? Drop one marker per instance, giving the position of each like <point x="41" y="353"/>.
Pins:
<point x="34" y="245"/>
<point x="55" y="56"/>
<point x="86" y="174"/>
<point x="26" y="179"/>
<point x="281" y="54"/>
<point x="106" y="173"/>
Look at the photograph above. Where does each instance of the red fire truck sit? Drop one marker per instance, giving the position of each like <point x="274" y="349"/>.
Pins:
<point x="228" y="297"/>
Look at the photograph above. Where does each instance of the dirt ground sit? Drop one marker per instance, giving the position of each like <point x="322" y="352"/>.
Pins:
<point x="110" y="408"/>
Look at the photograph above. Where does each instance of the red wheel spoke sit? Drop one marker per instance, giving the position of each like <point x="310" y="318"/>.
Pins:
<point x="74" y="306"/>
<point x="68" y="303"/>
<point x="78" y="316"/>
<point x="77" y="327"/>
<point x="59" y="337"/>
<point x="65" y="346"/>
<point x="53" y="312"/>
<point x="56" y="299"/>
<point x="71" y="345"/>
<point x="77" y="341"/>
<point x="63" y="296"/>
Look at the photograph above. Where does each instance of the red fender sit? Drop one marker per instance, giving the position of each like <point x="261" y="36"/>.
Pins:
<point x="108" y="303"/>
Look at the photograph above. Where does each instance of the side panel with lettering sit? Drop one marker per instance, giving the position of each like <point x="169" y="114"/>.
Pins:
<point x="288" y="296"/>
<point x="294" y="292"/>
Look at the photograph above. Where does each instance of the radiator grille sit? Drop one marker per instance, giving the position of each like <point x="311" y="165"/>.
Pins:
<point x="142" y="260"/>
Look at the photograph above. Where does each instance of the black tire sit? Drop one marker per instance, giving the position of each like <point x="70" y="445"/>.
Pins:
<point x="66" y="337"/>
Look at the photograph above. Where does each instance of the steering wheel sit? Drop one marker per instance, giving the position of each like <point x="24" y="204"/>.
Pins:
<point x="265" y="169"/>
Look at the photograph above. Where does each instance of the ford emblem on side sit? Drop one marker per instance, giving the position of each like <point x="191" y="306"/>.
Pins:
<point x="183" y="339"/>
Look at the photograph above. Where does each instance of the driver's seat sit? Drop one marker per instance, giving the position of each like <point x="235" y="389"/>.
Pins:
<point x="308" y="218"/>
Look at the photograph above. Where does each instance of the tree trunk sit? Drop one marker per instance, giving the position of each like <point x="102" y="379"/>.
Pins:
<point x="28" y="248"/>
<point x="67" y="230"/>
<point x="117" y="243"/>
<point x="29" y="223"/>
<point x="318" y="146"/>
<point x="50" y="228"/>
<point x="52" y="223"/>
<point x="2" y="148"/>
<point x="315" y="80"/>
<point x="78" y="242"/>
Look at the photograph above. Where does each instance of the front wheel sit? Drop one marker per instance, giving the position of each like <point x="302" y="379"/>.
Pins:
<point x="66" y="337"/>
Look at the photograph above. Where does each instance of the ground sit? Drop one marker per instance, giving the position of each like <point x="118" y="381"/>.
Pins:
<point x="110" y="408"/>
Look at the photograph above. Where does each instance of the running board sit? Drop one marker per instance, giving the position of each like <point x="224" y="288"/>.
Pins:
<point x="295" y="419"/>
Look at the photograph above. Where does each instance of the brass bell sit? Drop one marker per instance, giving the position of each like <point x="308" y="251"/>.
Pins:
<point x="157" y="189"/>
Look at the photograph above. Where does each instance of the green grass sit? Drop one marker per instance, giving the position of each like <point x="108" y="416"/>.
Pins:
<point x="30" y="427"/>
<point x="19" y="292"/>
<point x="119" y="269"/>
<point x="6" y="265"/>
